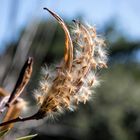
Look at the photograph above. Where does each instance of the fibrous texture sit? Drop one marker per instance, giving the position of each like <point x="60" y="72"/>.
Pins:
<point x="63" y="87"/>
<point x="73" y="81"/>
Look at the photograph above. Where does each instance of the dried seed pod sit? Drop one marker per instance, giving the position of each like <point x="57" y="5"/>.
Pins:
<point x="72" y="82"/>
<point x="23" y="79"/>
<point x="68" y="56"/>
<point x="70" y="87"/>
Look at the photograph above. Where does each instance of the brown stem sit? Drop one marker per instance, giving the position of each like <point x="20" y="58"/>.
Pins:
<point x="36" y="116"/>
<point x="19" y="119"/>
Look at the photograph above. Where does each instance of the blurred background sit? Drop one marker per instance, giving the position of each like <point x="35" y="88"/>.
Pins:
<point x="27" y="30"/>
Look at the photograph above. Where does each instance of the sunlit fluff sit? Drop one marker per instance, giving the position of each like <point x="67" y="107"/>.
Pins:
<point x="63" y="89"/>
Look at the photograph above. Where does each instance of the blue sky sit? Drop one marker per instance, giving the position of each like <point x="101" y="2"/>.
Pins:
<point x="98" y="12"/>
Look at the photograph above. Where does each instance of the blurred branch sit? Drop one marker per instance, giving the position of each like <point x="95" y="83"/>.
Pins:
<point x="21" y="50"/>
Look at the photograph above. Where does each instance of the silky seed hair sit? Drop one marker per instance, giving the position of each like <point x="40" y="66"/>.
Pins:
<point x="73" y="81"/>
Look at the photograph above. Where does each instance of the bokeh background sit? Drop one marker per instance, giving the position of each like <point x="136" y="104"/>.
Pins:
<point x="27" y="30"/>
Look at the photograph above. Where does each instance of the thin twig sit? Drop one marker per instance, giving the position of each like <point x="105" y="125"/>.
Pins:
<point x="36" y="116"/>
<point x="18" y="119"/>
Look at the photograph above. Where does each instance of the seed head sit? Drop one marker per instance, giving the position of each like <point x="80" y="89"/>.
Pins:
<point x="63" y="87"/>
